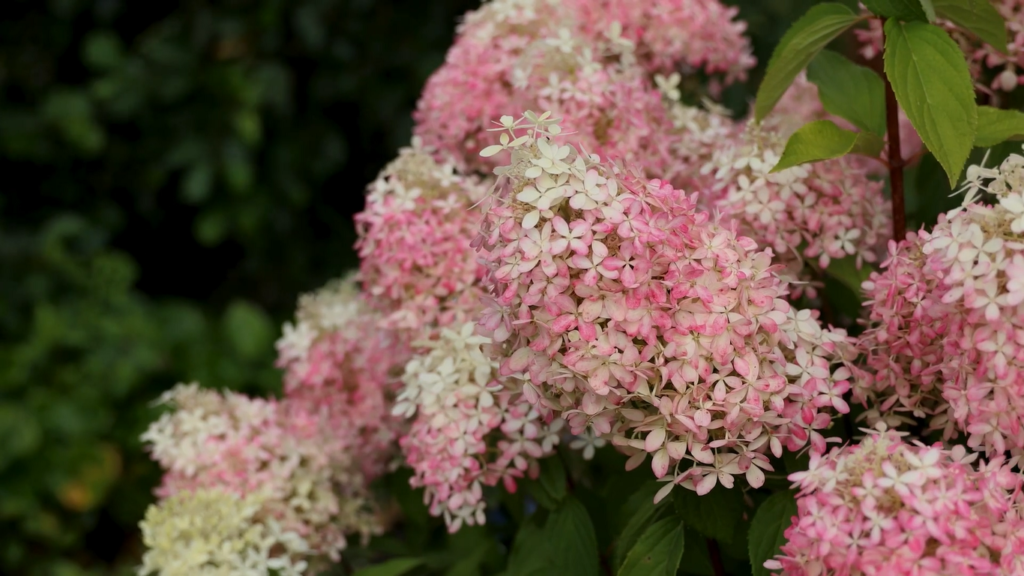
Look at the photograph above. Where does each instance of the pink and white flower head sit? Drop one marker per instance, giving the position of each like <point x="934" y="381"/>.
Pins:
<point x="886" y="506"/>
<point x="822" y="211"/>
<point x="636" y="316"/>
<point x="946" y="316"/>
<point x="471" y="428"/>
<point x="417" y="265"/>
<point x="573" y="58"/>
<point x="280" y="454"/>
<point x="340" y="362"/>
<point x="993" y="71"/>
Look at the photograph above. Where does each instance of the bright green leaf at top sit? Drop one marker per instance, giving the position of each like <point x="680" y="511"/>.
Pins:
<point x="658" y="551"/>
<point x="929" y="75"/>
<point x="996" y="126"/>
<point x="395" y="567"/>
<point x="902" y="9"/>
<point x="852" y="92"/>
<point x="812" y="32"/>
<point x="767" y="530"/>
<point x="977" y="16"/>
<point x="823" y="140"/>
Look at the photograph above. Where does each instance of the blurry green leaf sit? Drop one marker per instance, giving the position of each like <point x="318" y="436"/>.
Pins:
<point x="249" y="330"/>
<point x="248" y="126"/>
<point x="197" y="183"/>
<point x="996" y="126"/>
<point x="977" y="16"/>
<point x="658" y="551"/>
<point x="395" y="567"/>
<point x="570" y="528"/>
<point x="812" y="32"/>
<point x="102" y="50"/>
<point x="823" y="140"/>
<point x="644" y="513"/>
<point x="71" y="113"/>
<point x="211" y="227"/>
<point x="901" y="9"/>
<point x="845" y="270"/>
<point x="21" y="433"/>
<point x="767" y="529"/>
<point x="929" y="75"/>
<point x="715" y="515"/>
<point x="238" y="168"/>
<point x="929" y="10"/>
<point x="549" y="488"/>
<point x="849" y="91"/>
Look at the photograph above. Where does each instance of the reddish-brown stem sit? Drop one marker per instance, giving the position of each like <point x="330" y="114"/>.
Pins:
<point x="716" y="557"/>
<point x="892" y="119"/>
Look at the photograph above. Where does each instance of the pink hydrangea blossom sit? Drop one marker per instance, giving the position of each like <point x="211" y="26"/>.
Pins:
<point x="592" y="61"/>
<point x="340" y="361"/>
<point x="945" y="318"/>
<point x="821" y="211"/>
<point x="281" y="453"/>
<point x="638" y="317"/>
<point x="885" y="506"/>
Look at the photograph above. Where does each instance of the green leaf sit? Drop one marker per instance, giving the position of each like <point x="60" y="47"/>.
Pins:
<point x="395" y="567"/>
<point x="901" y="9"/>
<point x="646" y="513"/>
<point x="550" y="488"/>
<point x="823" y="140"/>
<point x="248" y="329"/>
<point x="929" y="10"/>
<point x="658" y="551"/>
<point x="102" y="50"/>
<point x="812" y="32"/>
<point x="715" y="515"/>
<point x="977" y="16"/>
<point x="929" y="75"/>
<point x="996" y="126"/>
<point x="767" y="529"/>
<point x="849" y="91"/>
<point x="845" y="270"/>
<point x="571" y="532"/>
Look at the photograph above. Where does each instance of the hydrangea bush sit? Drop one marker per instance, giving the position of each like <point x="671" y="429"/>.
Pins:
<point x="594" y="329"/>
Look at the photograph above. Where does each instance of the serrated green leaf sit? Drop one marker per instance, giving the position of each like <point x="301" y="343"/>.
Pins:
<point x="395" y="567"/>
<point x="715" y="514"/>
<point x="996" y="126"/>
<point x="901" y="9"/>
<point x="812" y="32"/>
<point x="658" y="551"/>
<point x="646" y="512"/>
<point x="849" y="91"/>
<point x="823" y="140"/>
<point x="929" y="75"/>
<point x="767" y="529"/>
<point x="977" y="16"/>
<point x="929" y="10"/>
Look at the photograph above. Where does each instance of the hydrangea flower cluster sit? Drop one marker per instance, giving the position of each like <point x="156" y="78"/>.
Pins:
<point x="888" y="507"/>
<point x="278" y="453"/>
<point x="472" y="427"/>
<point x="945" y="317"/>
<point x="578" y="58"/>
<point x="984" y="61"/>
<point x="642" y="319"/>
<point x="211" y="532"/>
<point x="822" y="211"/>
<point x="342" y="364"/>
<point x="414" y="242"/>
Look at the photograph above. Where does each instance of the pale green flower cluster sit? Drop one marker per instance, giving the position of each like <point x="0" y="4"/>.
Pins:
<point x="216" y="533"/>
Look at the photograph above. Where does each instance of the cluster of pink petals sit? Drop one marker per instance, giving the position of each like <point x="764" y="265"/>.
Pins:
<point x="992" y="70"/>
<point x="888" y="507"/>
<point x="822" y="211"/>
<point x="417" y="264"/>
<point x="946" y="316"/>
<point x="341" y="363"/>
<point x="591" y="61"/>
<point x="282" y="452"/>
<point x="469" y="428"/>
<point x="472" y="428"/>
<point x="639" y="318"/>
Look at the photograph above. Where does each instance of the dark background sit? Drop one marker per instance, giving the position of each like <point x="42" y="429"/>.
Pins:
<point x="174" y="174"/>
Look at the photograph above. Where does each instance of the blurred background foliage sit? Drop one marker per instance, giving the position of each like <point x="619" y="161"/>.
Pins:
<point x="177" y="173"/>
